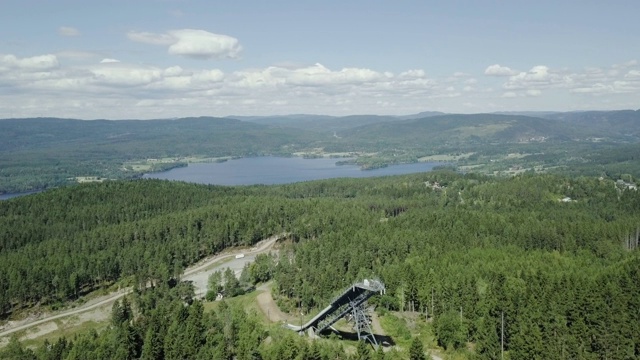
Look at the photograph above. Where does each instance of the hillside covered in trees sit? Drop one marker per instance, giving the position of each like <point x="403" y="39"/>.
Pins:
<point x="47" y="152"/>
<point x="42" y="153"/>
<point x="555" y="256"/>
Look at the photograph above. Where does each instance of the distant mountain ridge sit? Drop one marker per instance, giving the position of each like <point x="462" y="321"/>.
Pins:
<point x="272" y="132"/>
<point x="462" y="127"/>
<point x="326" y="123"/>
<point x="159" y="137"/>
<point x="620" y="122"/>
<point x="609" y="123"/>
<point x="40" y="153"/>
<point x="320" y="123"/>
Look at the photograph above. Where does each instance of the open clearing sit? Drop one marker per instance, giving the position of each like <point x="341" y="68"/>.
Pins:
<point x="445" y="157"/>
<point x="268" y="305"/>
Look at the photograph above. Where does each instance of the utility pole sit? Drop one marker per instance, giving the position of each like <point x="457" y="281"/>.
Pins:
<point x="502" y="336"/>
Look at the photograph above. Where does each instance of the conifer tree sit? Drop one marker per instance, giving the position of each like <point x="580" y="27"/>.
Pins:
<point x="416" y="351"/>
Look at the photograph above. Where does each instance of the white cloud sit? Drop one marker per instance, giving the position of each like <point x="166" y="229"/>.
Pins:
<point x="498" y="70"/>
<point x="537" y="73"/>
<point x="78" y="88"/>
<point x="208" y="76"/>
<point x="198" y="44"/>
<point x="616" y="79"/>
<point x="633" y="74"/>
<point x="202" y="44"/>
<point x="173" y="71"/>
<point x="593" y="89"/>
<point x="258" y="78"/>
<point x="151" y="38"/>
<point x="626" y="65"/>
<point x="539" y="76"/>
<point x="318" y="75"/>
<point x="35" y="63"/>
<point x="414" y="73"/>
<point x="68" y="31"/>
<point x="115" y="74"/>
<point x="626" y="87"/>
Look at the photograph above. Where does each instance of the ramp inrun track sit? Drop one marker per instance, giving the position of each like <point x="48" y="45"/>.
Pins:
<point x="349" y="302"/>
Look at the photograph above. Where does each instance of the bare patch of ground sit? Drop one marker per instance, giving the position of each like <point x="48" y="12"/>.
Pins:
<point x="41" y="330"/>
<point x="96" y="315"/>
<point x="446" y="157"/>
<point x="375" y="325"/>
<point x="269" y="307"/>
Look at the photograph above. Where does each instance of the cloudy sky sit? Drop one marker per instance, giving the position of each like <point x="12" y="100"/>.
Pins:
<point x="172" y="58"/>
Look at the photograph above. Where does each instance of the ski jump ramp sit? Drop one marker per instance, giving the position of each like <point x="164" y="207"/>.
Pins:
<point x="349" y="303"/>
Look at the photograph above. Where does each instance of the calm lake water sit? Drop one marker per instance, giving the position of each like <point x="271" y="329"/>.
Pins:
<point x="9" y="196"/>
<point x="278" y="170"/>
<point x="270" y="170"/>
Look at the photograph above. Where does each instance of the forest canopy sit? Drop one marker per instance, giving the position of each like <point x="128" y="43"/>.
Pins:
<point x="556" y="256"/>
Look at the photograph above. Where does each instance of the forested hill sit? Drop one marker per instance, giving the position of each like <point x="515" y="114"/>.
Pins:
<point x="57" y="244"/>
<point x="566" y="124"/>
<point x="47" y="152"/>
<point x="459" y="128"/>
<point x="622" y="122"/>
<point x="146" y="138"/>
<point x="565" y="274"/>
<point x="320" y="123"/>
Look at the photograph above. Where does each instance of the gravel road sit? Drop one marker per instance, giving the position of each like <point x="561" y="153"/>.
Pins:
<point x="197" y="273"/>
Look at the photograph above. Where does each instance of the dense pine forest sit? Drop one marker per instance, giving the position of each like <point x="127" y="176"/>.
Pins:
<point x="551" y="258"/>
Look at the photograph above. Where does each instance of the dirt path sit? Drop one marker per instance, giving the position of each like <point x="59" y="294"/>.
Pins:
<point x="268" y="305"/>
<point x="375" y="324"/>
<point x="13" y="327"/>
<point x="35" y="322"/>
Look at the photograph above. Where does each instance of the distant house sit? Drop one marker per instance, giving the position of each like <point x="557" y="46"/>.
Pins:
<point x="435" y="185"/>
<point x="626" y="185"/>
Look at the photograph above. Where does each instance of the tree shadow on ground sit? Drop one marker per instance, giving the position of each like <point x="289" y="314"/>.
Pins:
<point x="384" y="340"/>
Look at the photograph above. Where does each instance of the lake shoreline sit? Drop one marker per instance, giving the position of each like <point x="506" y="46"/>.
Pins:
<point x="333" y="167"/>
<point x="272" y="170"/>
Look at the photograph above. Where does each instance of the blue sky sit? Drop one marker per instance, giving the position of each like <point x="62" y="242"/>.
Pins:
<point x="172" y="58"/>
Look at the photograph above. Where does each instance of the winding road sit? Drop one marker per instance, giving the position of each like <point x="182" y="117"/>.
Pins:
<point x="261" y="247"/>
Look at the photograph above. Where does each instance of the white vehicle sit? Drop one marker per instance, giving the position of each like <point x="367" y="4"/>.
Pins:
<point x="239" y="256"/>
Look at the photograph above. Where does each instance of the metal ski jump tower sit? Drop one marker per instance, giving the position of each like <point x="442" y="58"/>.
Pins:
<point x="349" y="304"/>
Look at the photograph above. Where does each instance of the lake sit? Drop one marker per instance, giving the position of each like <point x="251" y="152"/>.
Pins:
<point x="9" y="196"/>
<point x="270" y="170"/>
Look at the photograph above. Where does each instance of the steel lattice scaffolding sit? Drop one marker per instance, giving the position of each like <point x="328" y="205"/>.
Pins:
<point x="351" y="304"/>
